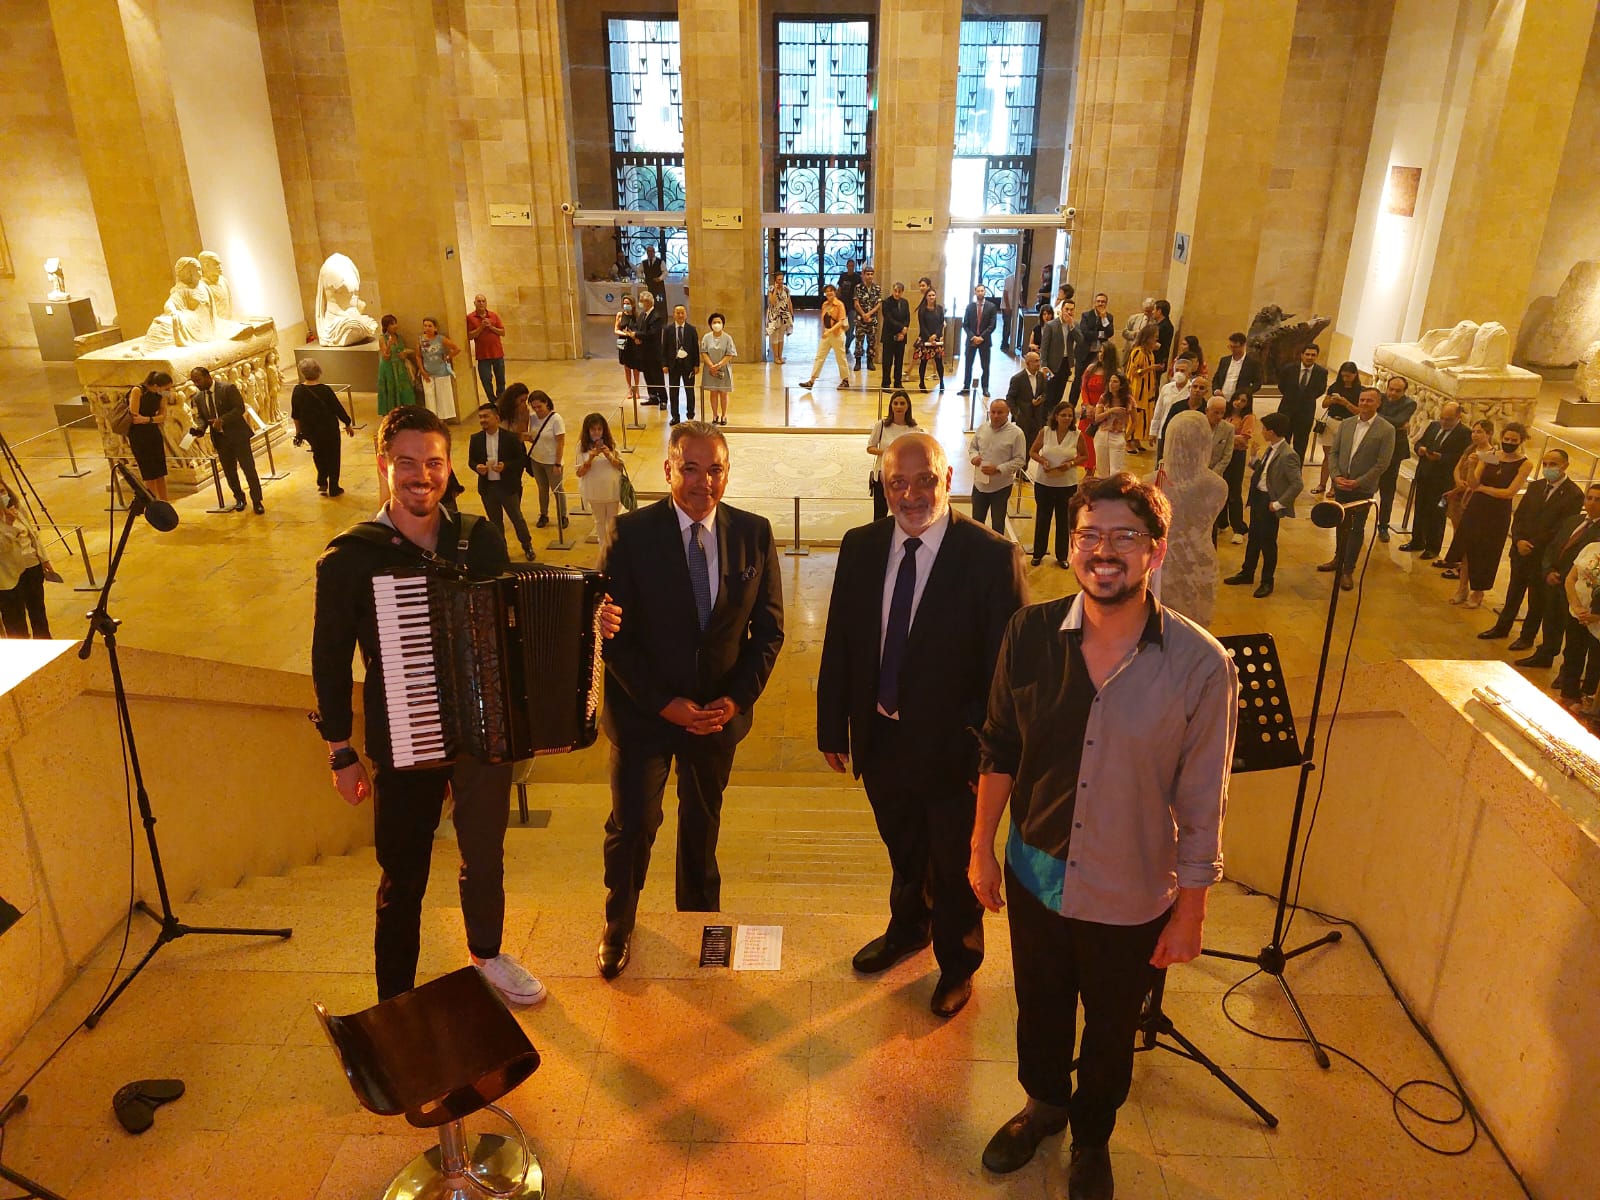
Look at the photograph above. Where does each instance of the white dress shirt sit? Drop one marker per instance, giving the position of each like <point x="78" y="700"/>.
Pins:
<point x="708" y="543"/>
<point x="491" y="450"/>
<point x="1360" y="432"/>
<point x="1266" y="465"/>
<point x="932" y="538"/>
<point x="1006" y="448"/>
<point x="1232" y="369"/>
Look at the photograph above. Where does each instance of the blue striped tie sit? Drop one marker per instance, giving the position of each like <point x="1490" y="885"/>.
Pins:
<point x="699" y="576"/>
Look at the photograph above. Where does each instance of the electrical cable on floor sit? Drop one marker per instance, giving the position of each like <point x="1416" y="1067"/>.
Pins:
<point x="122" y="954"/>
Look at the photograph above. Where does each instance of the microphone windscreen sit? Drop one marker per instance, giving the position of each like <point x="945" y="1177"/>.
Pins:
<point x="161" y="515"/>
<point x="1326" y="514"/>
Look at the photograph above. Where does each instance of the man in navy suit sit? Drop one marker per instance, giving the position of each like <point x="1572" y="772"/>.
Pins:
<point x="682" y="676"/>
<point x="978" y="325"/>
<point x="919" y="607"/>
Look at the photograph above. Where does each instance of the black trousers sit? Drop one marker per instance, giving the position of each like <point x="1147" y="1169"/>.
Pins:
<point x="880" y="502"/>
<point x="502" y="499"/>
<point x="894" y="361"/>
<point x="979" y="351"/>
<point x="1526" y="579"/>
<point x="638" y="783"/>
<point x="325" y="455"/>
<point x="1262" y="542"/>
<point x="406" y="813"/>
<point x="991" y="507"/>
<point x="1580" y="659"/>
<point x="1232" y="516"/>
<point x="23" y="605"/>
<point x="1387" y="482"/>
<point x="926" y="826"/>
<point x="655" y="381"/>
<point x="1056" y="388"/>
<point x="1427" y="513"/>
<point x="938" y="371"/>
<point x="1300" y="423"/>
<point x="234" y="455"/>
<point x="680" y="377"/>
<point x="1058" y="962"/>
<point x="1358" y="528"/>
<point x="1555" y="621"/>
<point x="1050" y="507"/>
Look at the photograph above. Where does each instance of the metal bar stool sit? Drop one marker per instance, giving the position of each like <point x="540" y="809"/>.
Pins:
<point x="438" y="1054"/>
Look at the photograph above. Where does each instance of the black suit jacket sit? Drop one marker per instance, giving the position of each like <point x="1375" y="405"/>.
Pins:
<point x="1558" y="556"/>
<point x="977" y="324"/>
<point x="691" y="346"/>
<point x="1249" y="375"/>
<point x="229" y="405"/>
<point x="1542" y="510"/>
<point x="1300" y="404"/>
<point x="896" y="316"/>
<point x="661" y="653"/>
<point x="649" y="331"/>
<point x="512" y="452"/>
<point x="1441" y="473"/>
<point x="974" y="585"/>
<point x="1094" y="333"/>
<point x="1020" y="399"/>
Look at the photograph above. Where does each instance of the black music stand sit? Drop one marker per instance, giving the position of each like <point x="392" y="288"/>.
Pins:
<point x="1155" y="1024"/>
<point x="1266" y="741"/>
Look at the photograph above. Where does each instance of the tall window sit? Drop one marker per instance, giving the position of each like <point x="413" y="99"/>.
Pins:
<point x="824" y="146"/>
<point x="647" y="133"/>
<point x="997" y="118"/>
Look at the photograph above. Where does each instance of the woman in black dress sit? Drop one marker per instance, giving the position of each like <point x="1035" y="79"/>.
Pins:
<point x="627" y="352"/>
<point x="1481" y="537"/>
<point x="930" y="339"/>
<point x="148" y="404"/>
<point x="318" y="416"/>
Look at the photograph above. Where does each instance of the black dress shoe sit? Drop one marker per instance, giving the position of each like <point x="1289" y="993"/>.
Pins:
<point x="238" y="505"/>
<point x="1522" y="643"/>
<point x="1241" y="577"/>
<point x="1383" y="535"/>
<point x="950" y="998"/>
<point x="612" y="957"/>
<point x="1262" y="592"/>
<point x="1411" y="545"/>
<point x="1489" y="635"/>
<point x="1536" y="660"/>
<point x="1427" y="554"/>
<point x="1089" y="1173"/>
<point x="1014" y="1144"/>
<point x="260" y="508"/>
<point x="880" y="954"/>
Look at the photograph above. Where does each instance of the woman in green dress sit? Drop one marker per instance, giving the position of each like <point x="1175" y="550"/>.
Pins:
<point x="395" y="385"/>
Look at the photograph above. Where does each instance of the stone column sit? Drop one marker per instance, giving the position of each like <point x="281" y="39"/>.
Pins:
<point x="127" y="126"/>
<point x="1527" y="79"/>
<point x="721" y="49"/>
<point x="1227" y="161"/>
<point x="919" y="48"/>
<point x="400" y="134"/>
<point x="1127" y="144"/>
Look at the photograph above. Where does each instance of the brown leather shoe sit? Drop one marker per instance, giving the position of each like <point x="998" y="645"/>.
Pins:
<point x="1346" y="581"/>
<point x="1014" y="1143"/>
<point x="1331" y="565"/>
<point x="1089" y="1173"/>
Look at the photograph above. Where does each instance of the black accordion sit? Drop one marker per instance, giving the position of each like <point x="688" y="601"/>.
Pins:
<point x="498" y="669"/>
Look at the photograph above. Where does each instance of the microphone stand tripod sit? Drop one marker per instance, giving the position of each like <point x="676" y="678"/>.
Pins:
<point x="1272" y="958"/>
<point x="101" y="622"/>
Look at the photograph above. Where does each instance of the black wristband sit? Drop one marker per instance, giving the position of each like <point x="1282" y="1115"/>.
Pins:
<point x="343" y="757"/>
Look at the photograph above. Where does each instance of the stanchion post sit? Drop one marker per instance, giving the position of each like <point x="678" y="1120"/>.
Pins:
<point x="88" y="566"/>
<point x="637" y="424"/>
<point x="563" y="524"/>
<point x="272" y="467"/>
<point x="117" y="503"/>
<point x="216" y="483"/>
<point x="797" y="550"/>
<point x="623" y="425"/>
<point x="74" y="471"/>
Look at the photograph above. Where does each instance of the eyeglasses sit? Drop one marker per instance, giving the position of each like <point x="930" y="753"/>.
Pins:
<point x="1120" y="540"/>
<point x="899" y="485"/>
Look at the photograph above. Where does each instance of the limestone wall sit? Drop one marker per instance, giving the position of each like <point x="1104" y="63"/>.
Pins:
<point x="236" y="777"/>
<point x="45" y="209"/>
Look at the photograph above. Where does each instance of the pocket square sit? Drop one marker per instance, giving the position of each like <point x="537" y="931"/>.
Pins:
<point x="747" y="574"/>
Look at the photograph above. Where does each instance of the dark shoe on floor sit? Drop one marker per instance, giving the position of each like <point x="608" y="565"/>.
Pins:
<point x="1331" y="565"/>
<point x="1262" y="592"/>
<point x="1036" y="560"/>
<point x="880" y="954"/>
<point x="949" y="998"/>
<point x="1241" y="577"/>
<point x="1346" y="582"/>
<point x="527" y="553"/>
<point x="337" y="491"/>
<point x="1427" y="554"/>
<point x="1536" y="660"/>
<point x="1014" y="1144"/>
<point x="542" y="522"/>
<point x="260" y="508"/>
<point x="1411" y="545"/>
<point x="612" y="957"/>
<point x="1383" y="535"/>
<point x="238" y="505"/>
<point x="1089" y="1173"/>
<point x="1522" y="643"/>
<point x="1489" y="635"/>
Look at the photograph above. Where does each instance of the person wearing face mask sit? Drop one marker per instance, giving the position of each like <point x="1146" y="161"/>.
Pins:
<point x="1438" y="450"/>
<point x="627" y="348"/>
<point x="1487" y="518"/>
<point x="1571" y="536"/>
<point x="1551" y="498"/>
<point x="1174" y="393"/>
<point x="24" y="567"/>
<point x="717" y="353"/>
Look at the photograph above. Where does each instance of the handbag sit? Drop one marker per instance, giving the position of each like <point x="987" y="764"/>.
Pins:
<point x="121" y="417"/>
<point x="625" y="493"/>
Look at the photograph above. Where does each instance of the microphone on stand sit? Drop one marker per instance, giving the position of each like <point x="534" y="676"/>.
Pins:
<point x="161" y="515"/>
<point x="1330" y="514"/>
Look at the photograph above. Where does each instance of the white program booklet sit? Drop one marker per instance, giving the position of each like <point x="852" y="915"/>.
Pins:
<point x="758" y="948"/>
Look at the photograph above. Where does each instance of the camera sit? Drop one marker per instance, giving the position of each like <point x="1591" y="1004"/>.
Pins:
<point x="567" y="207"/>
<point x="1069" y="212"/>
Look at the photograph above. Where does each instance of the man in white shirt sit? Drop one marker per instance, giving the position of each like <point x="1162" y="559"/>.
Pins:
<point x="499" y="461"/>
<point x="1172" y="395"/>
<point x="999" y="450"/>
<point x="1273" y="485"/>
<point x="1358" y="458"/>
<point x="1237" y="373"/>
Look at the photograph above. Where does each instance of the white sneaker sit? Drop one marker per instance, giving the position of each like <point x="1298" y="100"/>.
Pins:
<point x="1238" y="539"/>
<point x="511" y="979"/>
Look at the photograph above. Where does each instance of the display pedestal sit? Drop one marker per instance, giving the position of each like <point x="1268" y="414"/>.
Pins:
<point x="57" y="322"/>
<point x="1575" y="414"/>
<point x="355" y="367"/>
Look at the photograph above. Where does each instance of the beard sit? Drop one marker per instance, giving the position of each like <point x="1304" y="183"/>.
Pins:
<point x="1124" y="590"/>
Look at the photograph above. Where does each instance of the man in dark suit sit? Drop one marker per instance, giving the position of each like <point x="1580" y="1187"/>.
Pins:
<point x="647" y="339"/>
<point x="1397" y="408"/>
<point x="1053" y="352"/>
<point x="1438" y="450"/>
<point x="1357" y="461"/>
<point x="680" y="350"/>
<point x="978" y="325"/>
<point x="683" y="673"/>
<point x="896" y="324"/>
<point x="1572" y="535"/>
<point x="1301" y="387"/>
<point x="1094" y="331"/>
<point x="219" y="410"/>
<point x="1273" y="486"/>
<point x="1238" y="372"/>
<point x="499" y="461"/>
<point x="1550" y="499"/>
<point x="1028" y="397"/>
<point x="919" y="607"/>
<point x="1165" y="332"/>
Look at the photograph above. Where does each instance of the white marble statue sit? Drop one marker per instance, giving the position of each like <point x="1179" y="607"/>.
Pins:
<point x="220" y="294"/>
<point x="1572" y="322"/>
<point x="186" y="317"/>
<point x="341" y="313"/>
<point x="1468" y="346"/>
<point x="58" y="280"/>
<point x="1197" y="495"/>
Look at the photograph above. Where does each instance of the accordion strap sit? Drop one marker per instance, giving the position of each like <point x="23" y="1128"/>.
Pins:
<point x="376" y="533"/>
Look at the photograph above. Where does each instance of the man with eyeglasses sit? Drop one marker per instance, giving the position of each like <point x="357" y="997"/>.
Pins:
<point x="920" y="601"/>
<point x="1110" y="732"/>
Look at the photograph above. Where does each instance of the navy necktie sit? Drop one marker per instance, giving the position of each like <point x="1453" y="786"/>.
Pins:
<point x="894" y="640"/>
<point x="699" y="576"/>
